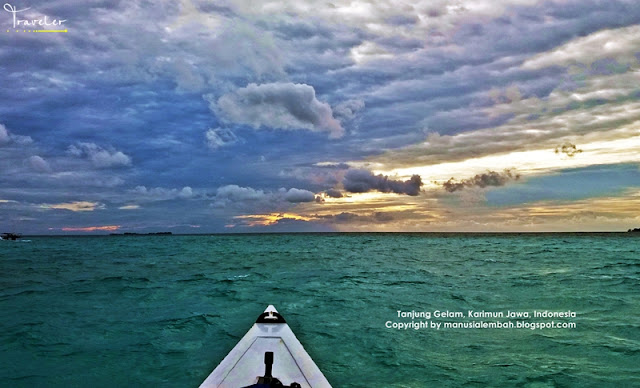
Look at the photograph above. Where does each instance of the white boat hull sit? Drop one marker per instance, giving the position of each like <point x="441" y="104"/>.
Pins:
<point x="245" y="363"/>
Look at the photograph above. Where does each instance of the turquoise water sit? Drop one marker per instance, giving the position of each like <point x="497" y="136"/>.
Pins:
<point x="163" y="311"/>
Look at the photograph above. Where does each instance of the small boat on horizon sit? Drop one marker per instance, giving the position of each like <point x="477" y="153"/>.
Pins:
<point x="269" y="355"/>
<point x="10" y="236"/>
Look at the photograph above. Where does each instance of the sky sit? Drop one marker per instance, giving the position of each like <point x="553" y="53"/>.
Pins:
<point x="237" y="116"/>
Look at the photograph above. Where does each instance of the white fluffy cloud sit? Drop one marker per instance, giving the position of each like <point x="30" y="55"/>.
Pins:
<point x="220" y="137"/>
<point x="100" y="157"/>
<point x="39" y="164"/>
<point x="162" y="194"/>
<point x="186" y="192"/>
<point x="279" y="106"/>
<point x="234" y="193"/>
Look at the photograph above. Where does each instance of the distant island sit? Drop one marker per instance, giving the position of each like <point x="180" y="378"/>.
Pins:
<point x="636" y="230"/>
<point x="141" y="234"/>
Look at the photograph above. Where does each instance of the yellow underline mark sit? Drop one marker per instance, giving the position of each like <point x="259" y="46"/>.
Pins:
<point x="40" y="31"/>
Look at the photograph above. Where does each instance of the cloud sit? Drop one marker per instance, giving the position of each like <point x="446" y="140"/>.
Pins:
<point x="570" y="185"/>
<point x="162" y="194"/>
<point x="186" y="192"/>
<point x="620" y="44"/>
<point x="7" y="137"/>
<point x="568" y="149"/>
<point x="236" y="193"/>
<point x="490" y="178"/>
<point x="38" y="164"/>
<point x="454" y="68"/>
<point x="252" y="220"/>
<point x="362" y="181"/>
<point x="369" y="51"/>
<point x="388" y="17"/>
<point x="77" y="206"/>
<point x="220" y="137"/>
<point x="85" y="179"/>
<point x="318" y="176"/>
<point x="187" y="77"/>
<point x="332" y="165"/>
<point x="279" y="106"/>
<point x="326" y="220"/>
<point x="107" y="228"/>
<point x="601" y="108"/>
<point x="347" y="110"/>
<point x="239" y="50"/>
<point x="4" y="134"/>
<point x="349" y="217"/>
<point x="129" y="207"/>
<point x="334" y="193"/>
<point x="99" y="156"/>
<point x="509" y="95"/>
<point x="297" y="195"/>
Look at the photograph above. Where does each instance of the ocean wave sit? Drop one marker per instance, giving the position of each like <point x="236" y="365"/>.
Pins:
<point x="181" y="323"/>
<point x="24" y="292"/>
<point x="124" y="279"/>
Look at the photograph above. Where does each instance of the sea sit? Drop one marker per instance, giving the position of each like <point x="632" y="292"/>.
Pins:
<point x="372" y="310"/>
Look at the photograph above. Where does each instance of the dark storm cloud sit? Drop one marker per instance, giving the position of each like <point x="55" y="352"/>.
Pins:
<point x="568" y="149"/>
<point x="332" y="166"/>
<point x="334" y="193"/>
<point x="490" y="178"/>
<point x="350" y="217"/>
<point x="279" y="106"/>
<point x="362" y="181"/>
<point x="297" y="195"/>
<point x="347" y="110"/>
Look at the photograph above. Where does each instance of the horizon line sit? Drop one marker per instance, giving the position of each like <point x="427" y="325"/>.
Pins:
<point x="156" y="234"/>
